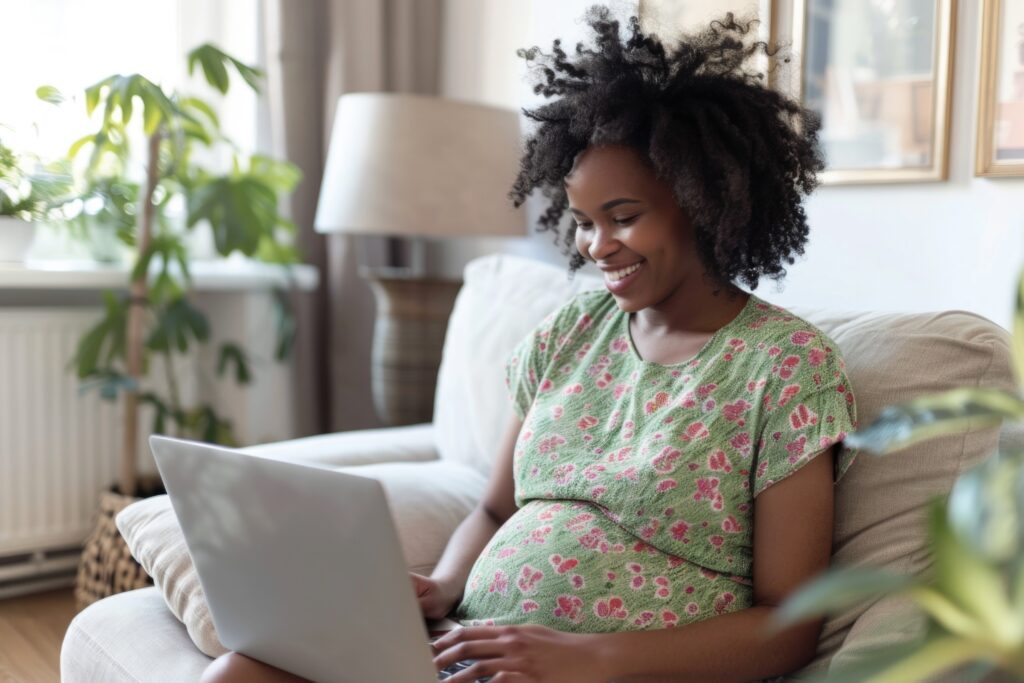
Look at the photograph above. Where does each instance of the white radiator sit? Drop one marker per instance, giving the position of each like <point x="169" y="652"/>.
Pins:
<point x="59" y="447"/>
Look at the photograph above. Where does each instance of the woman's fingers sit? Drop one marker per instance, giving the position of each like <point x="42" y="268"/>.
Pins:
<point x="485" y="667"/>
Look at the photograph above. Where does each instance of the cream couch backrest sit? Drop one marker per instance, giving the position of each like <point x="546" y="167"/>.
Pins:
<point x="891" y="358"/>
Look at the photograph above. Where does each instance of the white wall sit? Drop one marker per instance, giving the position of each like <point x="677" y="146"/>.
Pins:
<point x="957" y="244"/>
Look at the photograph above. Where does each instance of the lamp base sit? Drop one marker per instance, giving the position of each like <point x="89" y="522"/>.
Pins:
<point x="408" y="337"/>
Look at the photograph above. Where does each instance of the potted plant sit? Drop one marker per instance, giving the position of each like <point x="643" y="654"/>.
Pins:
<point x="28" y="192"/>
<point x="973" y="599"/>
<point x="145" y="327"/>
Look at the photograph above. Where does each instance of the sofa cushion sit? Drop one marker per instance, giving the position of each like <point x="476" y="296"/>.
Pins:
<point x="428" y="500"/>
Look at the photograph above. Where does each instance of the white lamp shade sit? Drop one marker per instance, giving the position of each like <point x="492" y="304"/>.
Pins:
<point x="414" y="165"/>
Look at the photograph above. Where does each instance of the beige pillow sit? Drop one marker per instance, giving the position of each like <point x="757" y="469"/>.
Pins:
<point x="881" y="503"/>
<point x="428" y="500"/>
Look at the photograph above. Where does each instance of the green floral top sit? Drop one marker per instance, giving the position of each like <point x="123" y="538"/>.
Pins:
<point x="635" y="481"/>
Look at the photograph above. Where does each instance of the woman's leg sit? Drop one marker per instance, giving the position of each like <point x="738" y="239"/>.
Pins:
<point x="235" y="667"/>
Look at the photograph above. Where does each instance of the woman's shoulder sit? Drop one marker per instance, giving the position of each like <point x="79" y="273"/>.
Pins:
<point x="582" y="310"/>
<point x="785" y="334"/>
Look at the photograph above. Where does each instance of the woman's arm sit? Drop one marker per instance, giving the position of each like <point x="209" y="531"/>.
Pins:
<point x="793" y="522"/>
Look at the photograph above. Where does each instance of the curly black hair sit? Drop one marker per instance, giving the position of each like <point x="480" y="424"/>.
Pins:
<point x="736" y="153"/>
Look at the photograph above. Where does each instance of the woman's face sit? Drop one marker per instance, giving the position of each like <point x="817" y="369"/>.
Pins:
<point x="628" y="220"/>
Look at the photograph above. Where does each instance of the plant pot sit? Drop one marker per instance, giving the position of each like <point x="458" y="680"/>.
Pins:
<point x="107" y="566"/>
<point x="16" y="238"/>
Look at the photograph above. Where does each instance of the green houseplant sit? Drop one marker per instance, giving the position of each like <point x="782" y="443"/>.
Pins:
<point x="973" y="599"/>
<point x="29" y="192"/>
<point x="155" y="317"/>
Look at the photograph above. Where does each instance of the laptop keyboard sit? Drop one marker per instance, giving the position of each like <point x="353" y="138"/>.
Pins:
<point x="453" y="669"/>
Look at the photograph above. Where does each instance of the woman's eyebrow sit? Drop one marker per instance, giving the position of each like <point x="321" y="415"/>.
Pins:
<point x="611" y="204"/>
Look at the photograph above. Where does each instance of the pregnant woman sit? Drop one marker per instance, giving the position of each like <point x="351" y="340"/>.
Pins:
<point x="666" y="477"/>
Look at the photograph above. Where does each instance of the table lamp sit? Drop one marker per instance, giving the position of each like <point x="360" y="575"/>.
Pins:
<point x="418" y="167"/>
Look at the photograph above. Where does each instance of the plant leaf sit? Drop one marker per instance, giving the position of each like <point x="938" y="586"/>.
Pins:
<point x="48" y="93"/>
<point x="1018" y="333"/>
<point x="926" y="417"/>
<point x="940" y="654"/>
<point x="837" y="589"/>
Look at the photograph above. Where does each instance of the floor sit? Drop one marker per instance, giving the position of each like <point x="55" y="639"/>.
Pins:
<point x="31" y="630"/>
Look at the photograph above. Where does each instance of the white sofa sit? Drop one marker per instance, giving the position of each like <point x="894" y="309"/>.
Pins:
<point x="435" y="473"/>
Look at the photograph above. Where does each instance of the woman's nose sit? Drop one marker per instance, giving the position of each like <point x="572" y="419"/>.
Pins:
<point x="603" y="244"/>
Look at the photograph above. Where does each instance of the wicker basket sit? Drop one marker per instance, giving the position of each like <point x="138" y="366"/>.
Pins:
<point x="107" y="566"/>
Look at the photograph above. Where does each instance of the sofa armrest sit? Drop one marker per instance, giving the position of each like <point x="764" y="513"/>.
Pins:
<point x="412" y="443"/>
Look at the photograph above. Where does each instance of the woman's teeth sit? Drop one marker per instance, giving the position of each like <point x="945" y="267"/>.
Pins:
<point x="619" y="274"/>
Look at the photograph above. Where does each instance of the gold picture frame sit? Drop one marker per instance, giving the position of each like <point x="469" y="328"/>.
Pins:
<point x="914" y="91"/>
<point x="993" y="33"/>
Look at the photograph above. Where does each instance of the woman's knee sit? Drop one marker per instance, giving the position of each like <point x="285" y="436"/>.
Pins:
<point x="233" y="667"/>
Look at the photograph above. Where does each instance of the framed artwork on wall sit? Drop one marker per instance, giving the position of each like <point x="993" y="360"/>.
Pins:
<point x="879" y="73"/>
<point x="1000" y="138"/>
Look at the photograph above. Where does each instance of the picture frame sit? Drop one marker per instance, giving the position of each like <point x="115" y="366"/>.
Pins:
<point x="880" y="76"/>
<point x="999" y="149"/>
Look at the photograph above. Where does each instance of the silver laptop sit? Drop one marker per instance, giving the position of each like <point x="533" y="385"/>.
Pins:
<point x="301" y="565"/>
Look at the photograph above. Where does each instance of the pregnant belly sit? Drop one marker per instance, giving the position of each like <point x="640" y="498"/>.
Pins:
<point x="565" y="565"/>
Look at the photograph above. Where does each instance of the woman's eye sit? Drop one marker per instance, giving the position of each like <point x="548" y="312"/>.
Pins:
<point x="582" y="226"/>
<point x="627" y="220"/>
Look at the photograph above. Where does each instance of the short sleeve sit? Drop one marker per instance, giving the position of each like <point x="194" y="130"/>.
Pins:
<point x="807" y="424"/>
<point x="529" y="360"/>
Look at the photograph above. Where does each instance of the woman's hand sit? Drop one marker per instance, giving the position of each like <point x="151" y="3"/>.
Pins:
<point x="436" y="598"/>
<point x="525" y="653"/>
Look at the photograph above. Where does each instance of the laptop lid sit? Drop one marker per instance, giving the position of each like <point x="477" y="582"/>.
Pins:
<point x="301" y="565"/>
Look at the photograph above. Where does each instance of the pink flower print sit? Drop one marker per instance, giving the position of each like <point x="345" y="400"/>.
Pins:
<point x="563" y="474"/>
<point x="679" y="529"/>
<point x="660" y="401"/>
<point x="611" y="608"/>
<point x="530" y="606"/>
<point x="613" y="419"/>
<point x="538" y="535"/>
<point x="695" y="431"/>
<point x="718" y="461"/>
<point x="598" y="491"/>
<point x="582" y="353"/>
<point x="716" y="541"/>
<point x="737" y="344"/>
<point x="650" y="528"/>
<point x="635" y="567"/>
<point x="586" y="422"/>
<point x="674" y="562"/>
<point x="731" y="526"/>
<point x="666" y="484"/>
<point x="788" y="392"/>
<point x="692" y="609"/>
<point x="569" y="607"/>
<point x="573" y="389"/>
<point x="526" y="435"/>
<point x="592" y="538"/>
<point x="753" y="386"/>
<point x="610" y="575"/>
<point x="796" y="449"/>
<point x="529" y="577"/>
<point x="688" y="401"/>
<point x="664" y="589"/>
<point x="815" y="357"/>
<point x="579" y="521"/>
<point x="733" y="412"/>
<point x="669" y="618"/>
<point x="620" y="455"/>
<point x="620" y="345"/>
<point x="665" y="461"/>
<point x="723" y="601"/>
<point x="627" y="431"/>
<point x="774" y="351"/>
<point x="604" y="380"/>
<point x="507" y="552"/>
<point x="644" y="619"/>
<point x="556" y="412"/>
<point x="802" y="416"/>
<point x="577" y="582"/>
<point x="546" y="385"/>
<point x="562" y="565"/>
<point x="707" y="489"/>
<point x="599" y="367"/>
<point x="593" y="470"/>
<point x="762" y="467"/>
<point x="628" y="473"/>
<point x="706" y="389"/>
<point x="789" y="364"/>
<point x="551" y="443"/>
<point x="709" y="405"/>
<point x="741" y="442"/>
<point x="708" y="574"/>
<point x="637" y="582"/>
<point x="801" y="337"/>
<point x="499" y="584"/>
<point x="620" y="389"/>
<point x="584" y="322"/>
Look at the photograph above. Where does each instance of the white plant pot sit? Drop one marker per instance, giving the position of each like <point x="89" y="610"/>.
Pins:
<point x="16" y="238"/>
